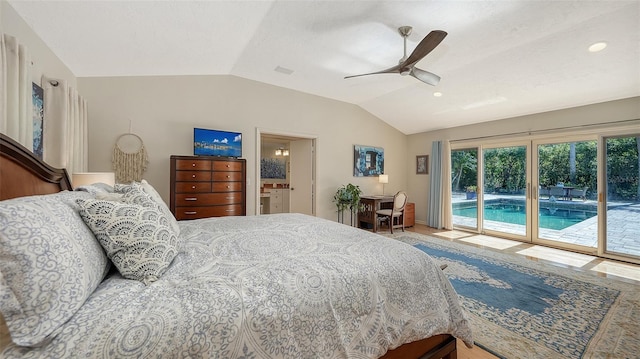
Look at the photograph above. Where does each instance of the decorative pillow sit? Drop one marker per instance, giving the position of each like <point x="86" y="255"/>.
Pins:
<point x="96" y="188"/>
<point x="144" y="194"/>
<point x="138" y="238"/>
<point x="50" y="263"/>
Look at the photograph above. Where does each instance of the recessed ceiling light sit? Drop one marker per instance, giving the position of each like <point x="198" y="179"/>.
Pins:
<point x="437" y="94"/>
<point x="598" y="46"/>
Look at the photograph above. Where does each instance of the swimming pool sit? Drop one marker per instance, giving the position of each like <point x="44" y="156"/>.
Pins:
<point x="550" y="218"/>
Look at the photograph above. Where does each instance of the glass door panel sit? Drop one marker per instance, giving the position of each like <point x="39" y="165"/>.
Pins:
<point x="567" y="188"/>
<point x="623" y="195"/>
<point x="464" y="184"/>
<point x="505" y="190"/>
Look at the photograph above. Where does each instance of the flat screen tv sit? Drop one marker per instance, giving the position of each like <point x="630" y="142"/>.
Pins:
<point x="216" y="143"/>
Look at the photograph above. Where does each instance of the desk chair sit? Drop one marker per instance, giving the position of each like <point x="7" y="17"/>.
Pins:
<point x="397" y="212"/>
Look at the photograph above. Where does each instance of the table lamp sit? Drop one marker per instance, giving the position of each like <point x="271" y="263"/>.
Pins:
<point x="87" y="178"/>
<point x="383" y="179"/>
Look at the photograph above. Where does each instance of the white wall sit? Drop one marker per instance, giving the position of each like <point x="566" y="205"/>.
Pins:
<point x="164" y="110"/>
<point x="420" y="144"/>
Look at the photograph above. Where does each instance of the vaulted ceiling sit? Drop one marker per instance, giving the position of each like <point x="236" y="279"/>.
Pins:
<point x="500" y="58"/>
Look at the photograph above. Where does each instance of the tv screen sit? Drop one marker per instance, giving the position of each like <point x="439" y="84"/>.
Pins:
<point x="216" y="143"/>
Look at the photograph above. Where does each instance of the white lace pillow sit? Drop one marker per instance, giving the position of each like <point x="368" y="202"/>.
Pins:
<point x="138" y="239"/>
<point x="144" y="194"/>
<point x="50" y="264"/>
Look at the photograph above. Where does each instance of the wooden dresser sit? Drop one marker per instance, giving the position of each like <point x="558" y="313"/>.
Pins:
<point x="207" y="187"/>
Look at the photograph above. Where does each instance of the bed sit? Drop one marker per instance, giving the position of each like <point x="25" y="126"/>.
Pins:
<point x="273" y="286"/>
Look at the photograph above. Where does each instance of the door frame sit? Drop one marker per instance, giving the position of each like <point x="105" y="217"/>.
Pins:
<point x="293" y="136"/>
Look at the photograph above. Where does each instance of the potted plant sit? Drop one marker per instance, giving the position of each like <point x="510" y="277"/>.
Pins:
<point x="347" y="197"/>
<point x="471" y="192"/>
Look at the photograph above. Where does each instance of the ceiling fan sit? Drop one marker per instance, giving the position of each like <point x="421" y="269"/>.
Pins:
<point x="406" y="65"/>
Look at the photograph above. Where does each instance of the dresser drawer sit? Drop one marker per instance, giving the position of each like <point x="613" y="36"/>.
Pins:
<point x="410" y="215"/>
<point x="212" y="211"/>
<point x="193" y="187"/>
<point x="208" y="199"/>
<point x="227" y="176"/>
<point x="227" y="166"/>
<point x="193" y="175"/>
<point x="196" y="165"/>
<point x="226" y="186"/>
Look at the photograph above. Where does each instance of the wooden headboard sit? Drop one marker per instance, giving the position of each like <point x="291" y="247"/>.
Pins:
<point x="23" y="174"/>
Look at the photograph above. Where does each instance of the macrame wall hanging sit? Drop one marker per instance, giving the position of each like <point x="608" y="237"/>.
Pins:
<point x="129" y="158"/>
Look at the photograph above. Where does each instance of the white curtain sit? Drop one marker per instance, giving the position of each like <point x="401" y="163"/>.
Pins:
<point x="439" y="201"/>
<point x="16" y="101"/>
<point x="65" y="126"/>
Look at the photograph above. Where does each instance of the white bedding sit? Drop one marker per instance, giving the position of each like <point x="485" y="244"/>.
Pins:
<point x="275" y="286"/>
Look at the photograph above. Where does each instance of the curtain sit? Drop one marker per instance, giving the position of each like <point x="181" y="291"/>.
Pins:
<point x="439" y="201"/>
<point x="447" y="210"/>
<point x="65" y="126"/>
<point x="16" y="102"/>
<point x="434" y="213"/>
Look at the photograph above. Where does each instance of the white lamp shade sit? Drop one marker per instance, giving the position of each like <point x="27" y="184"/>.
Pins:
<point x="383" y="178"/>
<point x="86" y="178"/>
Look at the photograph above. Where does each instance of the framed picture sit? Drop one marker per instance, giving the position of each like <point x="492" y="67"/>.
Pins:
<point x="38" y="118"/>
<point x="422" y="165"/>
<point x="368" y="161"/>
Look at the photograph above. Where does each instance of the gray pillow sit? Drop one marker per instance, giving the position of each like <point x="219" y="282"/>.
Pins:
<point x="137" y="237"/>
<point x="144" y="194"/>
<point x="50" y="263"/>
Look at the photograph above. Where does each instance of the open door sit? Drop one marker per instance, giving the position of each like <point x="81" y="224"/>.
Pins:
<point x="301" y="176"/>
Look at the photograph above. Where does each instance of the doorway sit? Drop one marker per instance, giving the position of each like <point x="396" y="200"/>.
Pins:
<point x="285" y="180"/>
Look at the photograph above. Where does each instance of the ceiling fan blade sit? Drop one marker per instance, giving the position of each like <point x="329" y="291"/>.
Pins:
<point x="433" y="39"/>
<point x="425" y="76"/>
<point x="391" y="70"/>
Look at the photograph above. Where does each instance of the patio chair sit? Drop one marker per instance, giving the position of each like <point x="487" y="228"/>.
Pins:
<point x="543" y="191"/>
<point x="557" y="192"/>
<point x="580" y="193"/>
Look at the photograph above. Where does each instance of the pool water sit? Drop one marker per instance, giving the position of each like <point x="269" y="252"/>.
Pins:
<point x="513" y="213"/>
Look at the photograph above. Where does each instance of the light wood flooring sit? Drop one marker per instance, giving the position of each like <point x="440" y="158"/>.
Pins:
<point x="599" y="266"/>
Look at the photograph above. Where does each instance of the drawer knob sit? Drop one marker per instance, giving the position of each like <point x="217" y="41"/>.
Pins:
<point x="191" y="199"/>
<point x="228" y="176"/>
<point x="228" y="165"/>
<point x="191" y="212"/>
<point x="228" y="186"/>
<point x="193" y="164"/>
<point x="193" y="187"/>
<point x="193" y="176"/>
<point x="229" y="210"/>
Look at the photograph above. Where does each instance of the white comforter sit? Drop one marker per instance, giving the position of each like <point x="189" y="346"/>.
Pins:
<point x="275" y="286"/>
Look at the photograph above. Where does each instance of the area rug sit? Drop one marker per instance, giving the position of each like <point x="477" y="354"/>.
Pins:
<point x="525" y="309"/>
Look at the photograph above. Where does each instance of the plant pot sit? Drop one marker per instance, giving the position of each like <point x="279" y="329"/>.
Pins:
<point x="471" y="195"/>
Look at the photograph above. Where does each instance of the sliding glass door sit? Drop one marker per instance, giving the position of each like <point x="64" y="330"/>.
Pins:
<point x="622" y="175"/>
<point x="578" y="192"/>
<point x="565" y="197"/>
<point x="505" y="190"/>
<point x="464" y="187"/>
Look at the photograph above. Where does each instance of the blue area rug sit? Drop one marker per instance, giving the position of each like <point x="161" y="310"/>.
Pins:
<point x="524" y="309"/>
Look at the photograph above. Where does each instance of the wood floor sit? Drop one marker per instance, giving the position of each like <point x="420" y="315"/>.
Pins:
<point x="599" y="266"/>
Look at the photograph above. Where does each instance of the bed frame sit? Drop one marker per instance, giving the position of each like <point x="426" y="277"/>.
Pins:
<point x="23" y="174"/>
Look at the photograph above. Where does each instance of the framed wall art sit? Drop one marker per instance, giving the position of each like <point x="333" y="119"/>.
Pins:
<point x="422" y="165"/>
<point x="38" y="119"/>
<point x="368" y="161"/>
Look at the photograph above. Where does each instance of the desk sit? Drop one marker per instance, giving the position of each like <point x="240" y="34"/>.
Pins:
<point x="367" y="217"/>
